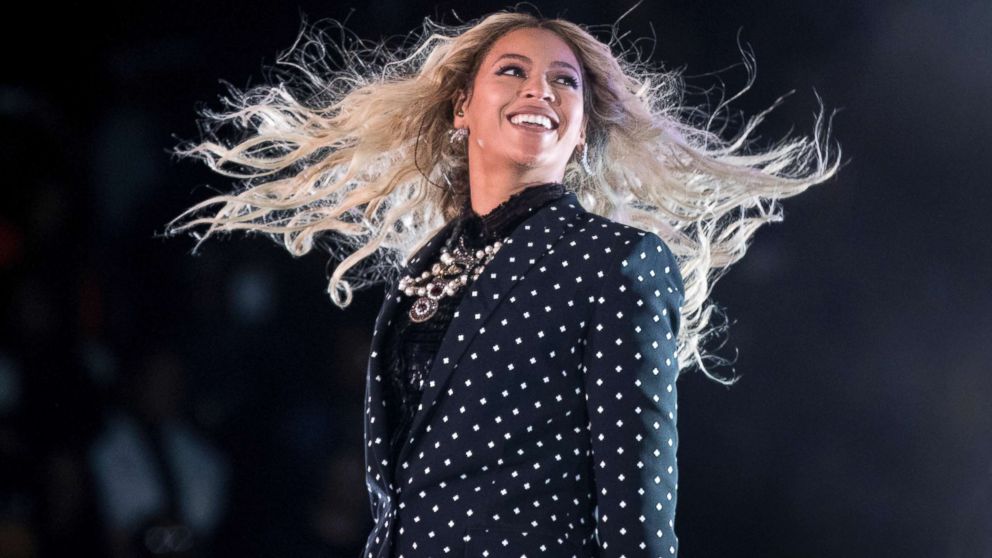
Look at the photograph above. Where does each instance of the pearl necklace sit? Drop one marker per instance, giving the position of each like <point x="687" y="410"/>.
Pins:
<point x="446" y="278"/>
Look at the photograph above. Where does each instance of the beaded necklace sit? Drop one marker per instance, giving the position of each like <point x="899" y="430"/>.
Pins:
<point x="460" y="265"/>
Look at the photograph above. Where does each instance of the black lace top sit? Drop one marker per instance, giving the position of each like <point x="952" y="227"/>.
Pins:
<point x="412" y="345"/>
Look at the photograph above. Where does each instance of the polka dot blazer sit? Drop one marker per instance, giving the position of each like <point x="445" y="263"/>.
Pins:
<point x="547" y="426"/>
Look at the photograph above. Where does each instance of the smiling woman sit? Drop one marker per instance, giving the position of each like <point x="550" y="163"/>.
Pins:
<point x="524" y="113"/>
<point x="550" y="220"/>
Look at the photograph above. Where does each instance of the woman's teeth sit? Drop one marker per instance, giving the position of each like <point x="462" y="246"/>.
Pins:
<point x="533" y="120"/>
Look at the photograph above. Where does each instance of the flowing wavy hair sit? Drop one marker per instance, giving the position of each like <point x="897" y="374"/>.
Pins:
<point x="346" y="147"/>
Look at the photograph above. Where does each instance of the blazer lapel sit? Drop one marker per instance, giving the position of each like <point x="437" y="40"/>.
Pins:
<point x="527" y="244"/>
<point x="376" y="430"/>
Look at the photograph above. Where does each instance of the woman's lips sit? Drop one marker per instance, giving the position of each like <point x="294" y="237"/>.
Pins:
<point x="532" y="128"/>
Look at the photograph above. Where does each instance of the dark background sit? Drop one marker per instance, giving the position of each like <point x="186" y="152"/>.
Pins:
<point x="861" y="325"/>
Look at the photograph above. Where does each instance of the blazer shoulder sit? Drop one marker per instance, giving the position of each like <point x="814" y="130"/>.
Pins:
<point x="628" y="240"/>
<point x="627" y="235"/>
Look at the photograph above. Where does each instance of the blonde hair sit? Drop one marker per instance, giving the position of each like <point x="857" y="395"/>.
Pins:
<point x="360" y="153"/>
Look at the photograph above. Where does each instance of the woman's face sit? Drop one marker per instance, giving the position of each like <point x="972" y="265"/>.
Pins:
<point x="525" y="106"/>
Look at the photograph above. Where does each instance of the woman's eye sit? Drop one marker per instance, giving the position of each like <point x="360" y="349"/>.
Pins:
<point x="517" y="71"/>
<point x="505" y="69"/>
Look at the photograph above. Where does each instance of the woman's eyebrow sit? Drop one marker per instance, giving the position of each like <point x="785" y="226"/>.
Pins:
<point x="521" y="57"/>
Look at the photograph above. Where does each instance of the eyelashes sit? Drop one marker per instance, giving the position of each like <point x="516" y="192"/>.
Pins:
<point x="566" y="79"/>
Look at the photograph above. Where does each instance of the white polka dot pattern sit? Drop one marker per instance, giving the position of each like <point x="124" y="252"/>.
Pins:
<point x="547" y="423"/>
<point x="631" y="368"/>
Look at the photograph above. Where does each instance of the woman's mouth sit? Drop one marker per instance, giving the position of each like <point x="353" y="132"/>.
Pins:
<point x="533" y="123"/>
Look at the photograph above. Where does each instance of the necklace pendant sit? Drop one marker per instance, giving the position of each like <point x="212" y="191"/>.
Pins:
<point x="422" y="310"/>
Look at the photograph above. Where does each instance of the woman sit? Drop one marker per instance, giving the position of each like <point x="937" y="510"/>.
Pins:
<point x="565" y="220"/>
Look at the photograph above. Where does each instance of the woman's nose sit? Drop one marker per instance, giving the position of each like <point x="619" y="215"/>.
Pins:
<point x="538" y="87"/>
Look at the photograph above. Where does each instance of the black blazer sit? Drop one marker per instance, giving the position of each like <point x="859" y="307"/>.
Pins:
<point x="547" y="426"/>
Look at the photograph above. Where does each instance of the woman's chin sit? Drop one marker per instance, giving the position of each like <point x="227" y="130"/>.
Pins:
<point x="533" y="159"/>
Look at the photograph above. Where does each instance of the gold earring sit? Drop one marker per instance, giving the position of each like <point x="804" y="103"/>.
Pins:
<point x="460" y="113"/>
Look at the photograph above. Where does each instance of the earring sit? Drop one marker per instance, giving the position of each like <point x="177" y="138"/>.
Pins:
<point x="584" y="161"/>
<point x="457" y="134"/>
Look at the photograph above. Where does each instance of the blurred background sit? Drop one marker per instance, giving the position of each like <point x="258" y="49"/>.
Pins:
<point x="153" y="402"/>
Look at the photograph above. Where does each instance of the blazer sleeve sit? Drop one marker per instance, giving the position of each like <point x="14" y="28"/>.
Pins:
<point x="630" y="369"/>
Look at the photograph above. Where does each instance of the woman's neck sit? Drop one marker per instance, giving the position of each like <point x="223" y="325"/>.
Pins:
<point x="491" y="187"/>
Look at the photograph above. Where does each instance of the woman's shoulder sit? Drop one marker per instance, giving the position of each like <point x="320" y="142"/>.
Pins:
<point x="595" y="227"/>
<point x="629" y="247"/>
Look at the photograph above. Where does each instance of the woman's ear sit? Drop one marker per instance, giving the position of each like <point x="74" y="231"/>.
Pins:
<point x="461" y="101"/>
